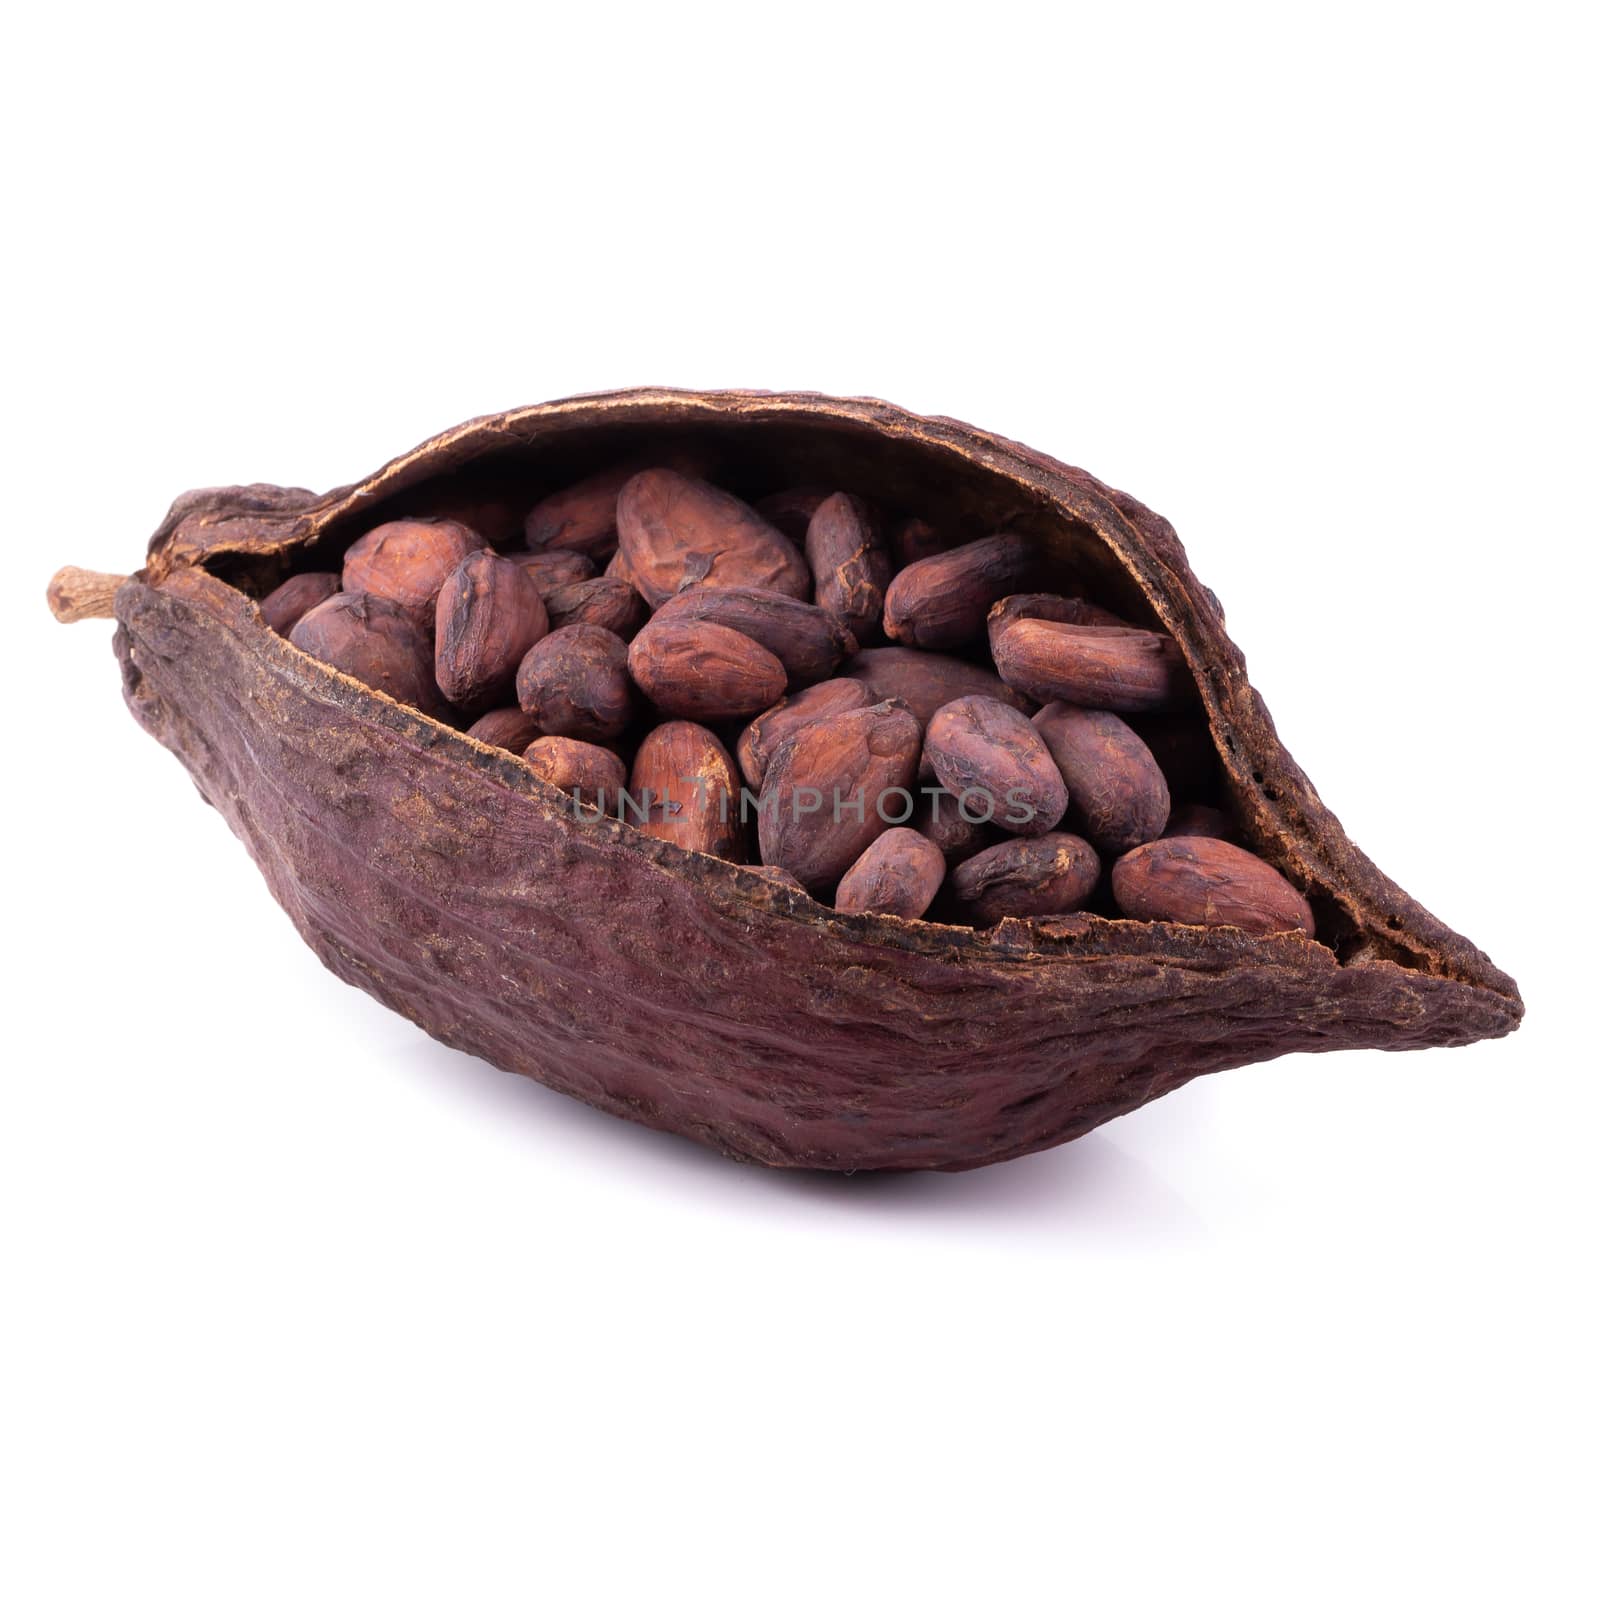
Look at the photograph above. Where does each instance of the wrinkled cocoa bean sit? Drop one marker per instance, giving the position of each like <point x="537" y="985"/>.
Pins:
<point x="926" y="680"/>
<point x="601" y="602"/>
<point x="897" y="875"/>
<point x="407" y="562"/>
<point x="939" y="817"/>
<point x="676" y="531"/>
<point x="575" y="682"/>
<point x="703" y="670"/>
<point x="1208" y="883"/>
<point x="295" y="596"/>
<point x="1200" y="822"/>
<point x="508" y="727"/>
<point x="487" y="618"/>
<point x="581" y="517"/>
<point x="808" y="641"/>
<point x="990" y="754"/>
<point x="553" y="569"/>
<point x="1119" y="798"/>
<point x="683" y="788"/>
<point x="828" y="790"/>
<point x="1110" y="669"/>
<point x="588" y="772"/>
<point x="850" y="564"/>
<point x="790" y="510"/>
<point x="1045" y="876"/>
<point x="376" y="641"/>
<point x="792" y="713"/>
<point x="944" y="600"/>
<point x="1048" y="608"/>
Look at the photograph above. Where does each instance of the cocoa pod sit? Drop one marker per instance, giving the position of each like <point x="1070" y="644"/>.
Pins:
<point x="407" y="561"/>
<point x="1048" y="608"/>
<point x="376" y="641"/>
<point x="508" y="727"/>
<point x="1208" y="883"/>
<point x="553" y="569"/>
<point x="1046" y="876"/>
<point x="703" y="670"/>
<point x="575" y="682"/>
<point x="944" y="600"/>
<point x="487" y="618"/>
<point x="850" y="565"/>
<point x="808" y="641"/>
<point x="1110" y="669"/>
<point x="1119" y="797"/>
<point x="911" y="539"/>
<point x="984" y="749"/>
<point x="940" y="819"/>
<point x="1193" y="821"/>
<point x="675" y="531"/>
<point x="827" y="793"/>
<point x="792" y="713"/>
<point x="601" y="602"/>
<point x="790" y="510"/>
<point x="684" y="789"/>
<point x="295" y="596"/>
<point x="580" y="518"/>
<point x="589" y="773"/>
<point x="926" y="680"/>
<point x="897" y="875"/>
<point x="779" y="875"/>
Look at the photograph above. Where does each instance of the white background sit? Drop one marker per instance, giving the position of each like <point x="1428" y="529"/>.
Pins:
<point x="297" y="1301"/>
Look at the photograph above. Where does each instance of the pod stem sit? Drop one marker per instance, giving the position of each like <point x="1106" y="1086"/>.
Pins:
<point x="76" y="593"/>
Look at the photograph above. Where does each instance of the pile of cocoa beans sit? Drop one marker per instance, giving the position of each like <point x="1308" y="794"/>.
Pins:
<point x="862" y="706"/>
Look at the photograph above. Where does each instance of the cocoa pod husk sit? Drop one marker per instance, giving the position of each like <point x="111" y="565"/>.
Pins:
<point x="1045" y="876"/>
<point x="407" y="561"/>
<point x="507" y="728"/>
<point x="487" y="618"/>
<point x="806" y="639"/>
<point x="1109" y="669"/>
<point x="295" y="596"/>
<point x="683" y="788"/>
<point x="981" y="747"/>
<point x="789" y="715"/>
<point x="375" y="641"/>
<point x="943" y="601"/>
<point x="553" y="569"/>
<point x="575" y="682"/>
<point x="587" y="773"/>
<point x="850" y="565"/>
<point x="1208" y="883"/>
<point x="897" y="875"/>
<point x="674" y="531"/>
<point x="689" y="668"/>
<point x="1119" y="797"/>
<point x="602" y="602"/>
<point x="779" y="875"/>
<point x="926" y="679"/>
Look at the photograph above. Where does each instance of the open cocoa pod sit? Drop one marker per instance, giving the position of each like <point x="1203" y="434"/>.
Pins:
<point x="443" y="876"/>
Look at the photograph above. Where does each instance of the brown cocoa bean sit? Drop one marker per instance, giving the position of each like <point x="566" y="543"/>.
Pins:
<point x="700" y="669"/>
<point x="582" y="517"/>
<point x="1119" y="798"/>
<point x="808" y="641"/>
<point x="553" y="569"/>
<point x="1045" y="876"/>
<point x="790" y="510"/>
<point x="1200" y="822"/>
<point x="407" y="561"/>
<point x="1048" y="608"/>
<point x="602" y="602"/>
<point x="944" y="600"/>
<point x="1208" y="883"/>
<point x="827" y="793"/>
<point x="792" y="713"/>
<point x="897" y="875"/>
<point x="587" y="772"/>
<point x="940" y="819"/>
<point x="295" y="596"/>
<point x="508" y="727"/>
<point x="575" y="682"/>
<point x="988" y="753"/>
<point x="375" y="640"/>
<point x="487" y="618"/>
<point x="1109" y="669"/>
<point x="850" y="564"/>
<point x="684" y="789"/>
<point x="911" y="540"/>
<point x="926" y="680"/>
<point x="675" y="531"/>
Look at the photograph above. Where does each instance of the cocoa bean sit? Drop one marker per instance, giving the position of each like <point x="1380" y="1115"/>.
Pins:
<point x="676" y="531"/>
<point x="827" y="791"/>
<point x="792" y="713"/>
<point x="602" y="602"/>
<point x="1119" y="798"/>
<point x="1200" y="822"/>
<point x="1208" y="883"/>
<point x="582" y="517"/>
<point x="701" y="669"/>
<point x="407" y="562"/>
<point x="986" y="751"/>
<point x="684" y="789"/>
<point x="1045" y="876"/>
<point x="897" y="875"/>
<point x="295" y="596"/>
<point x="926" y="680"/>
<point x="850" y="564"/>
<point x="587" y="772"/>
<point x="1048" y="608"/>
<point x="487" y="618"/>
<point x="808" y="641"/>
<point x="944" y="600"/>
<point x="553" y="569"/>
<point x="575" y="682"/>
<point x="940" y="819"/>
<point x="508" y="727"/>
<point x="790" y="510"/>
<point x="375" y="640"/>
<point x="1110" y="669"/>
<point x="911" y="539"/>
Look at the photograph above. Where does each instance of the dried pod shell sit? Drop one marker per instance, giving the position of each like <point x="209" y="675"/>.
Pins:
<point x="926" y="680"/>
<point x="1112" y="669"/>
<point x="1209" y="883"/>
<point x="779" y="875"/>
<point x="897" y="875"/>
<point x="808" y="642"/>
<point x="295" y="596"/>
<point x="683" y="789"/>
<point x="602" y="602"/>
<point x="487" y="618"/>
<point x="675" y="531"/>
<point x="507" y="727"/>
<point x="850" y="564"/>
<point x="944" y="600"/>
<point x="1045" y="876"/>
<point x="407" y="561"/>
<point x="553" y="569"/>
<point x="1119" y="797"/>
<point x="792" y="713"/>
<point x="823" y="799"/>
<point x="984" y="749"/>
<point x="575" y="682"/>
<point x="588" y="773"/>
<point x="373" y="640"/>
<point x="701" y="669"/>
